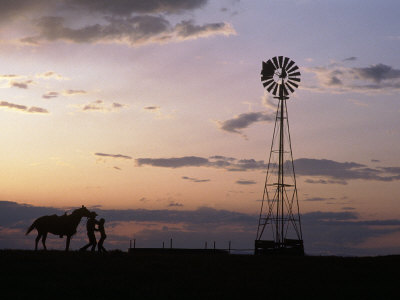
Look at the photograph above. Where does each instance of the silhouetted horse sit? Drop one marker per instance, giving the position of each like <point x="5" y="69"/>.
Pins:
<point x="58" y="225"/>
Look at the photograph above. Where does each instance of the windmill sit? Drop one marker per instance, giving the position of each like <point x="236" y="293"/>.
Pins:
<point x="279" y="227"/>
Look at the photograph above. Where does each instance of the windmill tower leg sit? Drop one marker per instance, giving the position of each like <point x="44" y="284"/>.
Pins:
<point x="279" y="227"/>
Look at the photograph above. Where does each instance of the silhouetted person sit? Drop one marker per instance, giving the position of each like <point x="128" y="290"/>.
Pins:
<point x="90" y="227"/>
<point x="100" y="228"/>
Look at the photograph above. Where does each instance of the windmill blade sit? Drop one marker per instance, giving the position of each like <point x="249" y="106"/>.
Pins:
<point x="263" y="78"/>
<point x="280" y="59"/>
<point x="289" y="87"/>
<point x="285" y="63"/>
<point x="275" y="60"/>
<point x="293" y="84"/>
<point x="285" y="91"/>
<point x="275" y="89"/>
<point x="295" y="79"/>
<point x="271" y="87"/>
<point x="295" y="74"/>
<point x="289" y="65"/>
<point x="293" y="69"/>
<point x="268" y="82"/>
<point x="268" y="68"/>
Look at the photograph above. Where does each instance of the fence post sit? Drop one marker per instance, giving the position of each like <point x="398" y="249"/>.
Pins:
<point x="229" y="249"/>
<point x="170" y="244"/>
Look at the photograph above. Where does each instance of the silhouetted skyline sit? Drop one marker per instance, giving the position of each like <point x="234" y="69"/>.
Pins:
<point x="157" y="110"/>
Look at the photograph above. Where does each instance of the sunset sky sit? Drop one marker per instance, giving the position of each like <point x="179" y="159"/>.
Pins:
<point x="134" y="107"/>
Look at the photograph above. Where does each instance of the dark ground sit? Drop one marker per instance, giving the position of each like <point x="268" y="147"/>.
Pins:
<point x="117" y="275"/>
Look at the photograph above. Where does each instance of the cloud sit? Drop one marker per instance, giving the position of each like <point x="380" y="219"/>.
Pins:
<point x="372" y="79"/>
<point x="318" y="199"/>
<point x="113" y="155"/>
<point x="195" y="179"/>
<point x="9" y="76"/>
<point x="343" y="171"/>
<point x="151" y="108"/>
<point x="101" y="106"/>
<point x="333" y="233"/>
<point x="21" y="84"/>
<point x="352" y="58"/>
<point x="123" y="7"/>
<point x="245" y="182"/>
<point x="267" y="102"/>
<point x="188" y="30"/>
<point x="50" y="95"/>
<point x="50" y="74"/>
<point x="332" y="172"/>
<point x="23" y="108"/>
<point x="73" y="92"/>
<point x="131" y="30"/>
<point x="175" y="204"/>
<point x="174" y="162"/>
<point x="133" y="22"/>
<point x="244" y="120"/>
<point x="323" y="181"/>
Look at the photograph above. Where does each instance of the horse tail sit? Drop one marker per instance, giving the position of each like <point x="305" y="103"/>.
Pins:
<point x="31" y="228"/>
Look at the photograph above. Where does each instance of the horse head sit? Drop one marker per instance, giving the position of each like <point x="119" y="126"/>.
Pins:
<point x="83" y="212"/>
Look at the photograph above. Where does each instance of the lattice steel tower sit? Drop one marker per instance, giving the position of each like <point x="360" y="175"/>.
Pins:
<point x="279" y="227"/>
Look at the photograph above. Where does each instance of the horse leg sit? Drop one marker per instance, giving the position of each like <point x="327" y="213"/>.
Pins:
<point x="68" y="241"/>
<point x="44" y="240"/>
<point x="37" y="240"/>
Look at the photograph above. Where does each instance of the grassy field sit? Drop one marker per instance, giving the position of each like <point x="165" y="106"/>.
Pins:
<point x="117" y="275"/>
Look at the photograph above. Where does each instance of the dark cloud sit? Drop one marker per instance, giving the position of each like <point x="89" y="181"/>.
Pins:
<point x="21" y="84"/>
<point x="332" y="172"/>
<point x="348" y="208"/>
<point x="195" y="179"/>
<point x="117" y="168"/>
<point x="245" y="182"/>
<point x="174" y="162"/>
<point x="175" y="204"/>
<point x="318" y="199"/>
<point x="14" y="214"/>
<point x="376" y="73"/>
<point x="352" y="58"/>
<point x="113" y="155"/>
<point x="323" y="181"/>
<point x="152" y="107"/>
<point x="50" y="95"/>
<point x="375" y="160"/>
<point x="134" y="30"/>
<point x="123" y="7"/>
<point x="74" y="92"/>
<point x="220" y="157"/>
<point x="23" y="108"/>
<point x="375" y="78"/>
<point x="245" y="120"/>
<point x="338" y="170"/>
<point x="335" y="233"/>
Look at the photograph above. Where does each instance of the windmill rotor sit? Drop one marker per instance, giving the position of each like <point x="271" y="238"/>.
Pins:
<point x="280" y="76"/>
